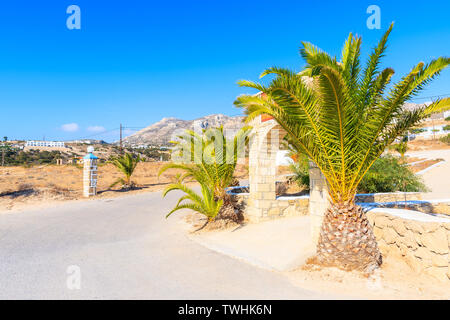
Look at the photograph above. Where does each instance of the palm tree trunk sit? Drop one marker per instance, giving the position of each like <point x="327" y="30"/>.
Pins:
<point x="346" y="239"/>
<point x="208" y="220"/>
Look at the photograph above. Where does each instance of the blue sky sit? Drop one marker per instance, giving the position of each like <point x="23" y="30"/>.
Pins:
<point x="135" y="62"/>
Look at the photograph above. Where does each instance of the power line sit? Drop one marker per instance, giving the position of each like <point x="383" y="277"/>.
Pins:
<point x="94" y="135"/>
<point x="431" y="97"/>
<point x="137" y="128"/>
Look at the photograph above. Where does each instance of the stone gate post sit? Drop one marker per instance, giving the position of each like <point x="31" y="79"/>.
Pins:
<point x="90" y="174"/>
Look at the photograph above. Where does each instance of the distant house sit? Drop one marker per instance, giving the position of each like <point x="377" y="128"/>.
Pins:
<point x="53" y="144"/>
<point x="87" y="141"/>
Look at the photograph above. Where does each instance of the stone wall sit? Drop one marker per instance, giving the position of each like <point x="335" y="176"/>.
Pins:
<point x="388" y="197"/>
<point x="278" y="208"/>
<point x="421" y="240"/>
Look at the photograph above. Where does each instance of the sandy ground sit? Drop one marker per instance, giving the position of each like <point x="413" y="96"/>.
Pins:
<point x="423" y="145"/>
<point x="283" y="246"/>
<point x="437" y="178"/>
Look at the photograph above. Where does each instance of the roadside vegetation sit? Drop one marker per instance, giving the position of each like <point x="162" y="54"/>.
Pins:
<point x="343" y="117"/>
<point x="126" y="165"/>
<point x="210" y="159"/>
<point x="445" y="139"/>
<point x="300" y="169"/>
<point x="388" y="174"/>
<point x="32" y="157"/>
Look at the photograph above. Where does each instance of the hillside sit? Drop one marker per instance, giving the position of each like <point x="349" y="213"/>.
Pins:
<point x="161" y="132"/>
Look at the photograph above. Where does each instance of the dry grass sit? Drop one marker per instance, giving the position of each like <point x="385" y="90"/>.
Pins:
<point x="423" y="165"/>
<point x="422" y="145"/>
<point x="45" y="183"/>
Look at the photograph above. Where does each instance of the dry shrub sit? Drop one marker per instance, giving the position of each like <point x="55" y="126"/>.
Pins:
<point x="232" y="209"/>
<point x="25" y="186"/>
<point x="281" y="188"/>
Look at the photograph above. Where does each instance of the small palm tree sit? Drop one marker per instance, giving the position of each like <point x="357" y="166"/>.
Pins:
<point x="126" y="164"/>
<point x="210" y="159"/>
<point x="205" y="203"/>
<point x="401" y="148"/>
<point x="341" y="118"/>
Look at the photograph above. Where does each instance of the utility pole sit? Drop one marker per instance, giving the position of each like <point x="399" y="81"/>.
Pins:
<point x="121" y="148"/>
<point x="434" y="132"/>
<point x="5" y="139"/>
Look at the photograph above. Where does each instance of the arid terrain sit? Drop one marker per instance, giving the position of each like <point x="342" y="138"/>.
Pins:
<point x="45" y="184"/>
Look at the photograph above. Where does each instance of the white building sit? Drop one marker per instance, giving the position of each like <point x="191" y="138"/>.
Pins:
<point x="283" y="158"/>
<point x="58" y="144"/>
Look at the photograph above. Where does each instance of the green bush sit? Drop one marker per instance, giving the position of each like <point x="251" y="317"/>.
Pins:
<point x="31" y="157"/>
<point x="301" y="173"/>
<point x="388" y="175"/>
<point x="445" y="139"/>
<point x="418" y="130"/>
<point x="447" y="119"/>
<point x="447" y="127"/>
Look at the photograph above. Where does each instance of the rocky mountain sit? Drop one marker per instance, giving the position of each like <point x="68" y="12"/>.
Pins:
<point x="160" y="133"/>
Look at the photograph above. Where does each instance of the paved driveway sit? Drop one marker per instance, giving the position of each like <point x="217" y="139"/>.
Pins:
<point x="124" y="249"/>
<point x="438" y="178"/>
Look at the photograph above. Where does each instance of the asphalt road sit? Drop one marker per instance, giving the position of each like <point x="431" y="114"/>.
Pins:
<point x="122" y="249"/>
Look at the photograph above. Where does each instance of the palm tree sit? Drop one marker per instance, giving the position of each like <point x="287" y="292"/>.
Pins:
<point x="401" y="148"/>
<point x="210" y="159"/>
<point x="341" y="118"/>
<point x="126" y="164"/>
<point x="205" y="203"/>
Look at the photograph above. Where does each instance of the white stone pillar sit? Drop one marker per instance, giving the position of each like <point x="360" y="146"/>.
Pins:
<point x="90" y="175"/>
<point x="318" y="199"/>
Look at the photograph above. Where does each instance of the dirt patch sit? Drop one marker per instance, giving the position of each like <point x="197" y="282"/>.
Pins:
<point x="423" y="165"/>
<point x="28" y="195"/>
<point x="197" y="221"/>
<point x="421" y="145"/>
<point x="413" y="159"/>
